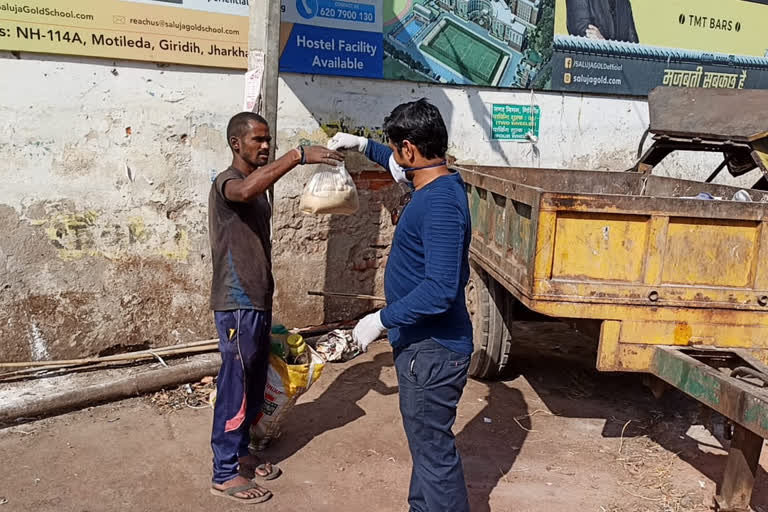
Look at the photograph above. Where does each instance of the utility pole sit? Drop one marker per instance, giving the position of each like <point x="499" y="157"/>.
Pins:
<point x="264" y="47"/>
<point x="264" y="51"/>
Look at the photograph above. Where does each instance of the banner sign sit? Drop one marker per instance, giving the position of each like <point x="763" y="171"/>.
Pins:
<point x="197" y="32"/>
<point x="514" y="122"/>
<point x="632" y="46"/>
<point x="581" y="46"/>
<point x="332" y="37"/>
<point x="502" y="43"/>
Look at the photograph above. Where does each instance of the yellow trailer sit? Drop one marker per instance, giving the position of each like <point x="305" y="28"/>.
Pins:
<point x="630" y="251"/>
<point x="674" y="273"/>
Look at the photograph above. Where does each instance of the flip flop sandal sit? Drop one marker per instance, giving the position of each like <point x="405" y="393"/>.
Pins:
<point x="230" y="493"/>
<point x="276" y="472"/>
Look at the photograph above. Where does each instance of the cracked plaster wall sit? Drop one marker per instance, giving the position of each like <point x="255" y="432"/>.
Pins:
<point x="103" y="234"/>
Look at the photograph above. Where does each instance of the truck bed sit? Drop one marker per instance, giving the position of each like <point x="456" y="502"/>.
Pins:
<point x="628" y="249"/>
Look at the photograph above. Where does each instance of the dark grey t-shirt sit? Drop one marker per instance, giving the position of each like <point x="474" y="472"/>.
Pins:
<point x="241" y="249"/>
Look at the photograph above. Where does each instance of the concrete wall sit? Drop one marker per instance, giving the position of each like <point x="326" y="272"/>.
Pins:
<point x="105" y="169"/>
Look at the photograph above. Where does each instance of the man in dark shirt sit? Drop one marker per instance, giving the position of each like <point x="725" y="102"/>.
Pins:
<point x="601" y="19"/>
<point x="241" y="295"/>
<point x="426" y="315"/>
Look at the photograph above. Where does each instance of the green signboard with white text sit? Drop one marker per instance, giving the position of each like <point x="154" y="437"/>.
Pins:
<point x="514" y="122"/>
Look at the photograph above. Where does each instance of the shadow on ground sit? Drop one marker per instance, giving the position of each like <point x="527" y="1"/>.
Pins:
<point x="489" y="450"/>
<point x="336" y="407"/>
<point x="559" y="363"/>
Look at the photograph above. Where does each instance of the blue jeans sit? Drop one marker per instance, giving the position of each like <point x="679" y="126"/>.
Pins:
<point x="244" y="343"/>
<point x="431" y="380"/>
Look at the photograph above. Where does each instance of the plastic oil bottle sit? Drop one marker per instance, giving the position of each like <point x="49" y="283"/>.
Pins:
<point x="279" y="340"/>
<point x="298" y="353"/>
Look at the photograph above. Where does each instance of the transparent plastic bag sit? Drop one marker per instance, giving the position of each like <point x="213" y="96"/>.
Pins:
<point x="330" y="190"/>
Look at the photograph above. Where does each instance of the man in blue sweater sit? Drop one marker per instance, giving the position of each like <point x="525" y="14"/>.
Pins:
<point x="426" y="315"/>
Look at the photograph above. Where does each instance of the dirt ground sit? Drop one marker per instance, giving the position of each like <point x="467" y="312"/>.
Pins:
<point x="555" y="435"/>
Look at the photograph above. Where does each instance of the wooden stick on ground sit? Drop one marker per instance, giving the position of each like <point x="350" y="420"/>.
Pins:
<point x="325" y="328"/>
<point x="109" y="390"/>
<point x="346" y="295"/>
<point x="184" y="348"/>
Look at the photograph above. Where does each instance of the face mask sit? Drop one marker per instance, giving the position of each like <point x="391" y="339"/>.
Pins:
<point x="398" y="173"/>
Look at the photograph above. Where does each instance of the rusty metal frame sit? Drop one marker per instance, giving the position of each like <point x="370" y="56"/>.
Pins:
<point x="740" y="157"/>
<point x="708" y="120"/>
<point x="699" y="374"/>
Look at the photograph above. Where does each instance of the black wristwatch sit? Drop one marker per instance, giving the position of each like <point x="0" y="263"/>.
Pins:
<point x="303" y="158"/>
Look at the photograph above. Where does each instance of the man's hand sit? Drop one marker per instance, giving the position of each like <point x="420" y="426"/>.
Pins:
<point x="594" y="33"/>
<point x="322" y="155"/>
<point x="368" y="330"/>
<point x="347" y="141"/>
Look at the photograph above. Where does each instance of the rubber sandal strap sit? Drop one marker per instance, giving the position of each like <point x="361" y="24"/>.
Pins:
<point x="247" y="487"/>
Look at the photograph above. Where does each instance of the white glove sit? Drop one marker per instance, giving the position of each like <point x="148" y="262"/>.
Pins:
<point x="396" y="171"/>
<point x="368" y="330"/>
<point x="347" y="141"/>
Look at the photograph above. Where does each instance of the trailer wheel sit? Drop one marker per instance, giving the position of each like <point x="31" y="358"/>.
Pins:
<point x="488" y="304"/>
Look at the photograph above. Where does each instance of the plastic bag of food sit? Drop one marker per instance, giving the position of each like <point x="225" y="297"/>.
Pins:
<point x="330" y="190"/>
<point x="285" y="384"/>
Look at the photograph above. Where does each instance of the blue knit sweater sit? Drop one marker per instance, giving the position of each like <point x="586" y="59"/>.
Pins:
<point x="428" y="266"/>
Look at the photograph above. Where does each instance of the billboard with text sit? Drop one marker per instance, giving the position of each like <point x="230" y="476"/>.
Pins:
<point x="632" y="46"/>
<point x="502" y="43"/>
<point x="582" y="46"/>
<point x="198" y="32"/>
<point x="600" y="46"/>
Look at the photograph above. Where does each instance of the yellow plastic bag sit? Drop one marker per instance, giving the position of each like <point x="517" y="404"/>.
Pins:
<point x="285" y="384"/>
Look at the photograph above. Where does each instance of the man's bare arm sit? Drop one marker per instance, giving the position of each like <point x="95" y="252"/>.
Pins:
<point x="243" y="191"/>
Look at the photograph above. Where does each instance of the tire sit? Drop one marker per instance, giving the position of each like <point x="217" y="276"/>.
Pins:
<point x="490" y="307"/>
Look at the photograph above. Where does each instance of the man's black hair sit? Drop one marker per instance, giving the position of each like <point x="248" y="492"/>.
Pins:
<point x="421" y="124"/>
<point x="239" y="124"/>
